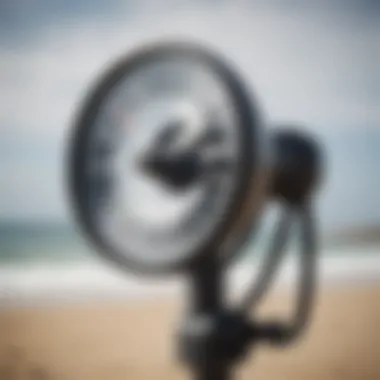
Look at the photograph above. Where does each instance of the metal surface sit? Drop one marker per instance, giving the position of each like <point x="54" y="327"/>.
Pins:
<point x="136" y="127"/>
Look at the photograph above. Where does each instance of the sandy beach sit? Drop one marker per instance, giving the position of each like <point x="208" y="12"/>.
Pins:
<point x="133" y="339"/>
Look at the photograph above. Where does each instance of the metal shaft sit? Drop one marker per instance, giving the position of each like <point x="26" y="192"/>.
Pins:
<point x="207" y="286"/>
<point x="207" y="300"/>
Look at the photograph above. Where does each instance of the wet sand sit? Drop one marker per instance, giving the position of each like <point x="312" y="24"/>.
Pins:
<point x="133" y="340"/>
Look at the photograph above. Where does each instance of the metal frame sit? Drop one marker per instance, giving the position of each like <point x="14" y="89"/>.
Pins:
<point x="214" y="337"/>
<point x="247" y="126"/>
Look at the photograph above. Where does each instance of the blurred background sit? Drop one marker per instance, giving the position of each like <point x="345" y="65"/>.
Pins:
<point x="314" y="64"/>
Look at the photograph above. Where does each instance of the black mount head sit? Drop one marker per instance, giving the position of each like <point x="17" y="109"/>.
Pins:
<point x="297" y="165"/>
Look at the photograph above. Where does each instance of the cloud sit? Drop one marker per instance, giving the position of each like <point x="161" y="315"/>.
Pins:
<point x="317" y="68"/>
<point x="312" y="67"/>
<point x="23" y="22"/>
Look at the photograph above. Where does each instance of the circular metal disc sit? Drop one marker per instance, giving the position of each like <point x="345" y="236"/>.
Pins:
<point x="132" y="217"/>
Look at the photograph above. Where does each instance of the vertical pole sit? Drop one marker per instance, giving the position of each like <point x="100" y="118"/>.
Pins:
<point x="207" y="300"/>
<point x="206" y="286"/>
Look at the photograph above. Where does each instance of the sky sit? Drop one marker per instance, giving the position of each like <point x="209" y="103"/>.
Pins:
<point x="314" y="64"/>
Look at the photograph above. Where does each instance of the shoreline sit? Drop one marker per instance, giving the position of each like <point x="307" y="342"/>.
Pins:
<point x="101" y="281"/>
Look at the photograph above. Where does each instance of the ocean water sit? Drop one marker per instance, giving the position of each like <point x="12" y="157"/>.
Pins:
<point x="32" y="243"/>
<point x="53" y="263"/>
<point x="52" y="243"/>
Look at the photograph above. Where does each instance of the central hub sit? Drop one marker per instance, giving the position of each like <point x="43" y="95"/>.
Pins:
<point x="178" y="170"/>
<point x="174" y="156"/>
